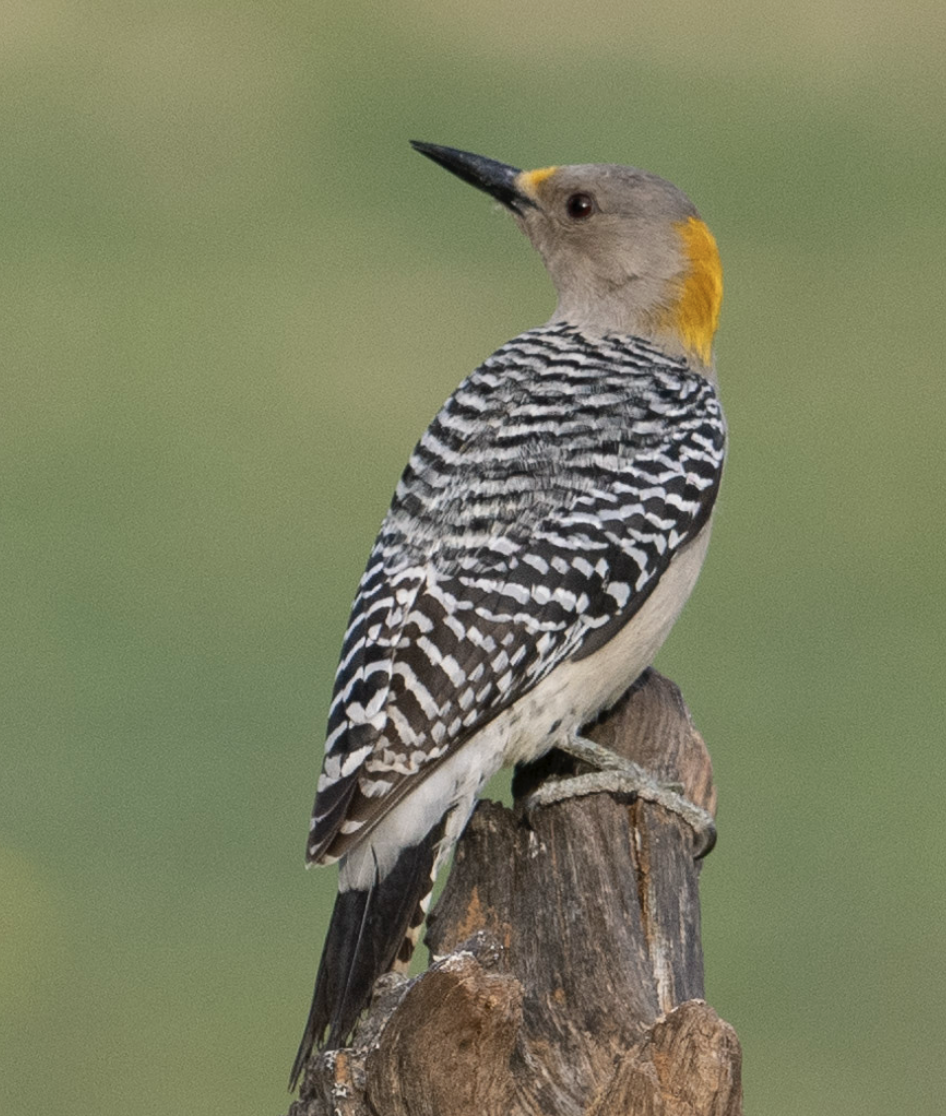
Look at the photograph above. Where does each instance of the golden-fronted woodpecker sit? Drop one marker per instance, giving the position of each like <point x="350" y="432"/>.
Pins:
<point x="541" y="542"/>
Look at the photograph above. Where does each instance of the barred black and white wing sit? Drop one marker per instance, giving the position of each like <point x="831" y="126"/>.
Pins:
<point x="534" y="519"/>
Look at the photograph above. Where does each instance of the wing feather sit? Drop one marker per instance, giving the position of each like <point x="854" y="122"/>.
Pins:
<point x="478" y="590"/>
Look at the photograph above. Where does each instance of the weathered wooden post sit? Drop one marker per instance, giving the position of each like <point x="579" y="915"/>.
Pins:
<point x="569" y="970"/>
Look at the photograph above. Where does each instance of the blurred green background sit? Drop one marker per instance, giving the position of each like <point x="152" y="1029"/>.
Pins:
<point x="233" y="298"/>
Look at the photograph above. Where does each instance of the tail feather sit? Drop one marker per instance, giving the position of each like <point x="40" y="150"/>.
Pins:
<point x="370" y="933"/>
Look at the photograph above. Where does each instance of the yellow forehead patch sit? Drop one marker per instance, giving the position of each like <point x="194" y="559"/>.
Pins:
<point x="701" y="291"/>
<point x="530" y="181"/>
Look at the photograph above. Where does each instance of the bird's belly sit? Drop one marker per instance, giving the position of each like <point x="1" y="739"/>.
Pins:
<point x="577" y="691"/>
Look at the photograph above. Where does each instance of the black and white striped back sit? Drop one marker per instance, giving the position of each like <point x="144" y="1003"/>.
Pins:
<point x="533" y="520"/>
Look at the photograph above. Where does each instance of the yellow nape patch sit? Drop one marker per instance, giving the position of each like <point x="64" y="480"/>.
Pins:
<point x="530" y="181"/>
<point x="696" y="313"/>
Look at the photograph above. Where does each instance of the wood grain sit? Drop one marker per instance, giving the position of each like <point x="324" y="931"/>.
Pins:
<point x="568" y="971"/>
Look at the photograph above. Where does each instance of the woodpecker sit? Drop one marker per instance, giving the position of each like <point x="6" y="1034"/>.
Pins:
<point x="541" y="542"/>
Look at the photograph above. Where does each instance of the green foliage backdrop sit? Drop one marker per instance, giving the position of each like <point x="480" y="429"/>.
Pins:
<point x="233" y="298"/>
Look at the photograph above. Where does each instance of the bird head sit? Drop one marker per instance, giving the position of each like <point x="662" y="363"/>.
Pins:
<point x="626" y="250"/>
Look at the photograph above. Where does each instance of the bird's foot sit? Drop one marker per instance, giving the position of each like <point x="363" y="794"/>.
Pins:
<point x="616" y="774"/>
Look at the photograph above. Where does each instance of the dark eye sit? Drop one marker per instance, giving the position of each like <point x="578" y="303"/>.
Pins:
<point x="580" y="206"/>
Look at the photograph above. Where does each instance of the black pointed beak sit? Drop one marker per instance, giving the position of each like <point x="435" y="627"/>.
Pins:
<point x="496" y="179"/>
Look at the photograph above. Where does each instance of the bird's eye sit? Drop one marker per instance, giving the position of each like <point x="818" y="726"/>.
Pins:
<point x="580" y="206"/>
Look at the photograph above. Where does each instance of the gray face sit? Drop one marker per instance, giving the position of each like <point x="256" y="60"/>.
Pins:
<point x="625" y="249"/>
<point x="617" y="191"/>
<point x="606" y="233"/>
